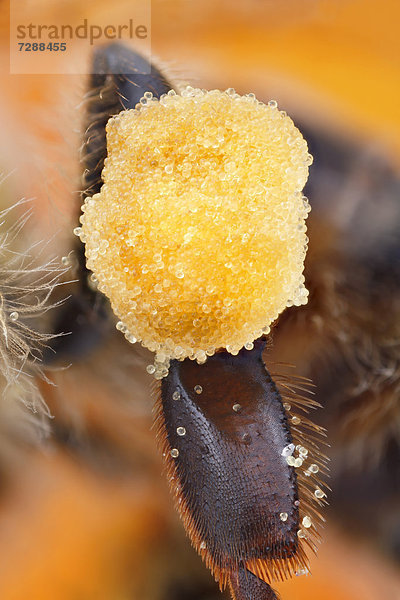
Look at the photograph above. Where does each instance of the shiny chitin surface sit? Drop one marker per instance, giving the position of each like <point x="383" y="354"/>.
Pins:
<point x="224" y="431"/>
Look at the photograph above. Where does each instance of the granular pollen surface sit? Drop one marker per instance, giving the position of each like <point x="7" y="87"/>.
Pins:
<point x="198" y="234"/>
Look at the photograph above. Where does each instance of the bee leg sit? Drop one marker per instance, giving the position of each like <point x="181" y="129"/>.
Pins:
<point x="120" y="78"/>
<point x="224" y="435"/>
<point x="246" y="586"/>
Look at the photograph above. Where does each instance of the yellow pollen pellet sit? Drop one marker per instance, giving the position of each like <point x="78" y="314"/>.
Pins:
<point x="198" y="234"/>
